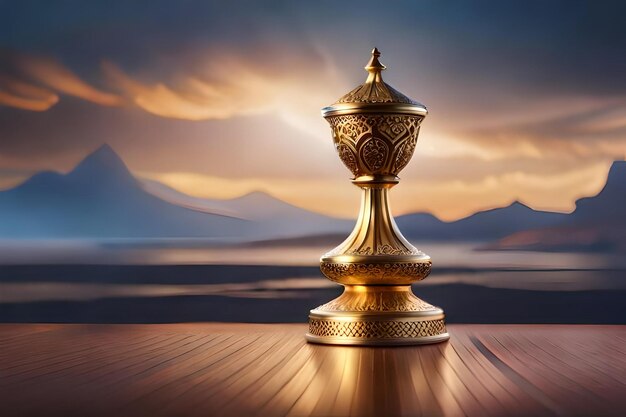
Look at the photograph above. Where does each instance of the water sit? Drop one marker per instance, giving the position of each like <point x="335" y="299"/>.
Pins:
<point x="202" y="252"/>
<point x="191" y="280"/>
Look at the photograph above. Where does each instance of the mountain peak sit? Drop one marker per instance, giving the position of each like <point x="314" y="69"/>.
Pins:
<point x="617" y="170"/>
<point x="103" y="160"/>
<point x="610" y="202"/>
<point x="105" y="148"/>
<point x="616" y="181"/>
<point x="104" y="153"/>
<point x="615" y="185"/>
<point x="518" y="205"/>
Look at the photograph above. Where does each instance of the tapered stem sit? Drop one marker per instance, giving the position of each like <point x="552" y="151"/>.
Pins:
<point x="376" y="232"/>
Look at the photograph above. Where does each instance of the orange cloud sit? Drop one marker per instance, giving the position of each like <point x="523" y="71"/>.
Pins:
<point x="193" y="98"/>
<point x="208" y="101"/>
<point x="16" y="93"/>
<point x="54" y="75"/>
<point x="596" y="132"/>
<point x="546" y="158"/>
<point x="449" y="199"/>
<point x="227" y="86"/>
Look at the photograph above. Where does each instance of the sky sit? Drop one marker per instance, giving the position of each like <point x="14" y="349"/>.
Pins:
<point x="526" y="99"/>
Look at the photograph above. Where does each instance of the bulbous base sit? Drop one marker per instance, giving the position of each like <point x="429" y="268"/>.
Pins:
<point x="375" y="316"/>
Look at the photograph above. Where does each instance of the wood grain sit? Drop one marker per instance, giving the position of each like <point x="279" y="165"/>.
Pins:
<point x="218" y="369"/>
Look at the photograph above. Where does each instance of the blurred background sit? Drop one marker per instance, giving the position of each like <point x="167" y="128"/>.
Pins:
<point x="166" y="162"/>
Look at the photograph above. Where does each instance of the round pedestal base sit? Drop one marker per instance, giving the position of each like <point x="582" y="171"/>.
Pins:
<point x="377" y="328"/>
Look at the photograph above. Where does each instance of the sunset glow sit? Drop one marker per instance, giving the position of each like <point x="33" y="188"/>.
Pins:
<point x="216" y="113"/>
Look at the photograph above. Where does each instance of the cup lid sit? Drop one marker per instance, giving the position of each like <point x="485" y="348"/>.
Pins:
<point x="375" y="96"/>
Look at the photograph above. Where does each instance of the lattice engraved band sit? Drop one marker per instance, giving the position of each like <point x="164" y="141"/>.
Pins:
<point x="379" y="273"/>
<point x="377" y="329"/>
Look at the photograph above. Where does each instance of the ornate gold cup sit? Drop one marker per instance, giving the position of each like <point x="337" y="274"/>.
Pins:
<point x="375" y="130"/>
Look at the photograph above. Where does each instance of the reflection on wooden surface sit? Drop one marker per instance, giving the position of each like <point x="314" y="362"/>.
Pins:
<point x="268" y="370"/>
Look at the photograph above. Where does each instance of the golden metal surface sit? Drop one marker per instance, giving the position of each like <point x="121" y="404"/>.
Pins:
<point x="375" y="95"/>
<point x="375" y="130"/>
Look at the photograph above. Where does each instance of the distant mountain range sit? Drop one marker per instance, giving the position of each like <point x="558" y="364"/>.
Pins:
<point x="100" y="198"/>
<point x="484" y="225"/>
<point x="268" y="216"/>
<point x="597" y="224"/>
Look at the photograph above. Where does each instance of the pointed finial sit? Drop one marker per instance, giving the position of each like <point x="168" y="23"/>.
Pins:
<point x="374" y="96"/>
<point x="374" y="67"/>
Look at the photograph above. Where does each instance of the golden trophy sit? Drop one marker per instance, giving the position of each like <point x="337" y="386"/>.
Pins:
<point x="375" y="130"/>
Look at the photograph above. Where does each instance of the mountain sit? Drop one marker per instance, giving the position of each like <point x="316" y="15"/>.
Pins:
<point x="597" y="224"/>
<point x="609" y="205"/>
<point x="269" y="216"/>
<point x="268" y="213"/>
<point x="484" y="225"/>
<point x="100" y="198"/>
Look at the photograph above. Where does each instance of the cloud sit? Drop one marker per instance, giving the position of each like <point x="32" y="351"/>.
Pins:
<point x="234" y="147"/>
<point x="449" y="198"/>
<point x="453" y="197"/>
<point x="22" y="95"/>
<point x="53" y="74"/>
<point x="223" y="85"/>
<point x="243" y="93"/>
<point x="526" y="100"/>
<point x="596" y="132"/>
<point x="226" y="158"/>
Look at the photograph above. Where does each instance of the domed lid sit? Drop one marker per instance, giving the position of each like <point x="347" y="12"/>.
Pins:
<point x="375" y="96"/>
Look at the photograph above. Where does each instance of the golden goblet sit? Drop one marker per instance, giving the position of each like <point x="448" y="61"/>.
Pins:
<point x="375" y="129"/>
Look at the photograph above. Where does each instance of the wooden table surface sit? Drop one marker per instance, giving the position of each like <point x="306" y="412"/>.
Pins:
<point x="217" y="369"/>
